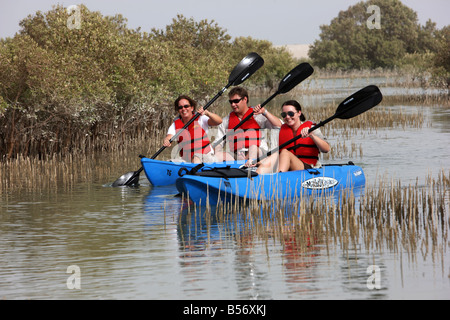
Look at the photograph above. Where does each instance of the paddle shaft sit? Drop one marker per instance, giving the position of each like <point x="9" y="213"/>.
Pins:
<point x="136" y="173"/>
<point x="289" y="81"/>
<point x="176" y="135"/>
<point x="351" y="110"/>
<point x="245" y="68"/>
<point x="292" y="140"/>
<point x="243" y="121"/>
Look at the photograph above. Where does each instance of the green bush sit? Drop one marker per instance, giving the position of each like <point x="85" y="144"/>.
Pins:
<point x="348" y="43"/>
<point x="92" y="88"/>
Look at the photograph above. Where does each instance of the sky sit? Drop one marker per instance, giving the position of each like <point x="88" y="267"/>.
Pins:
<point x="282" y="22"/>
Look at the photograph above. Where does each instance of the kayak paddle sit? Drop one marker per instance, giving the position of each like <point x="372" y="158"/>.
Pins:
<point x="241" y="72"/>
<point x="354" y="105"/>
<point x="289" y="81"/>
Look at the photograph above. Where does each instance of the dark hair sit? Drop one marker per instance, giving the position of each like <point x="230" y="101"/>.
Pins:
<point x="192" y="102"/>
<point x="241" y="92"/>
<point x="297" y="106"/>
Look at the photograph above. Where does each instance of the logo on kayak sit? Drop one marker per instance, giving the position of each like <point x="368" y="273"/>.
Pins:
<point x="319" y="183"/>
<point x="357" y="173"/>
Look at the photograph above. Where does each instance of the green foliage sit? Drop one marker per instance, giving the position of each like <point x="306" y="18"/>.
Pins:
<point x="186" y="33"/>
<point x="277" y="61"/>
<point x="348" y="43"/>
<point x="441" y="61"/>
<point x="3" y="106"/>
<point x="197" y="61"/>
<point x="73" y="89"/>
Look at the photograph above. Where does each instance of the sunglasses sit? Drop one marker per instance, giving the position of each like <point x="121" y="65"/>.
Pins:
<point x="289" y="113"/>
<point x="185" y="106"/>
<point x="235" y="100"/>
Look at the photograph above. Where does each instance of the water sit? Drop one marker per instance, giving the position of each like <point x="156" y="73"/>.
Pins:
<point x="141" y="243"/>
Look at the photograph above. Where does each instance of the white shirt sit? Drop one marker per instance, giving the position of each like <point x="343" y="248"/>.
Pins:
<point x="262" y="121"/>
<point x="202" y="120"/>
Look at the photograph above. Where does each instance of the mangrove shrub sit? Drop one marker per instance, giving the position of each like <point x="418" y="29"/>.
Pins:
<point x="363" y="38"/>
<point x="68" y="87"/>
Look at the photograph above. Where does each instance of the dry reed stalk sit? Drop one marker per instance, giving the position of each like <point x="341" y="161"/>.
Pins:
<point x="387" y="216"/>
<point x="65" y="169"/>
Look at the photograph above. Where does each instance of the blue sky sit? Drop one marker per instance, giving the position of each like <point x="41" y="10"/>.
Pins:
<point x="279" y="21"/>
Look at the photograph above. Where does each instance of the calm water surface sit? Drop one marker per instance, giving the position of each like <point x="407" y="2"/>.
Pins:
<point x="141" y="243"/>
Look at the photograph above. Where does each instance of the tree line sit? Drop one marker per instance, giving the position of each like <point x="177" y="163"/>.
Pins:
<point x="77" y="89"/>
<point x="383" y="34"/>
<point x="64" y="88"/>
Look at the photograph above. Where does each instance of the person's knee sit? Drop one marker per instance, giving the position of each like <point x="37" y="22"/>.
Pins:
<point x="285" y="153"/>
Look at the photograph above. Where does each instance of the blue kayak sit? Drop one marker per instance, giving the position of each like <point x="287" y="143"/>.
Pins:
<point x="163" y="173"/>
<point x="221" y="185"/>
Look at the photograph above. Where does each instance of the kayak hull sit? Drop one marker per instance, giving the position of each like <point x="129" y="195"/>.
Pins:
<point x="163" y="173"/>
<point x="214" y="190"/>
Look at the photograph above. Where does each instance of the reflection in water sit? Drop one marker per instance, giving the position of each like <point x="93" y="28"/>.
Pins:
<point x="246" y="241"/>
<point x="243" y="249"/>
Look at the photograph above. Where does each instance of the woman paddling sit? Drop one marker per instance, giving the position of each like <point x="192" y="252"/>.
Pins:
<point x="193" y="143"/>
<point x="300" y="154"/>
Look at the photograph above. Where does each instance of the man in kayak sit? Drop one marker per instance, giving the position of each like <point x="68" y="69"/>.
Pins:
<point x="193" y="143"/>
<point x="300" y="154"/>
<point x="246" y="141"/>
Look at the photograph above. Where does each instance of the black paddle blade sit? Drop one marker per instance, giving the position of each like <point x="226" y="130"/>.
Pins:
<point x="295" y="76"/>
<point x="359" y="102"/>
<point x="129" y="179"/>
<point x="244" y="69"/>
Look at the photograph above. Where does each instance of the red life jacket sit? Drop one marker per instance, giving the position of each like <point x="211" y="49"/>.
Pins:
<point x="193" y="139"/>
<point x="247" y="134"/>
<point x="304" y="148"/>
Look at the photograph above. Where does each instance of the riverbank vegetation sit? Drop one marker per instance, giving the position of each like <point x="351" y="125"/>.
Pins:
<point x="384" y="34"/>
<point x="69" y="90"/>
<point x="98" y="85"/>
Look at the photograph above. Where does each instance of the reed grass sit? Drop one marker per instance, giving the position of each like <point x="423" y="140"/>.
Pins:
<point x="58" y="172"/>
<point x="388" y="217"/>
<point x="379" y="118"/>
<point x="65" y="169"/>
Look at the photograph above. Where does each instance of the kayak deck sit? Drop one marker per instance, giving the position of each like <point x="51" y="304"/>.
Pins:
<point x="202" y="189"/>
<point x="163" y="173"/>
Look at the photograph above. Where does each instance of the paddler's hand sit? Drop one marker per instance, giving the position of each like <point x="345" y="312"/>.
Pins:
<point x="259" y="110"/>
<point x="166" y="142"/>
<point x="204" y="112"/>
<point x="214" y="119"/>
<point x="305" y="133"/>
<point x="250" y="164"/>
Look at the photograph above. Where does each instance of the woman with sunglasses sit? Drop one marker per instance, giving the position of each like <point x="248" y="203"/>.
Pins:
<point x="300" y="154"/>
<point x="247" y="141"/>
<point x="193" y="143"/>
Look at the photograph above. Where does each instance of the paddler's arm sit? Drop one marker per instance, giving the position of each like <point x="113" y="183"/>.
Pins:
<point x="166" y="142"/>
<point x="275" y="121"/>
<point x="214" y="119"/>
<point x="317" y="137"/>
